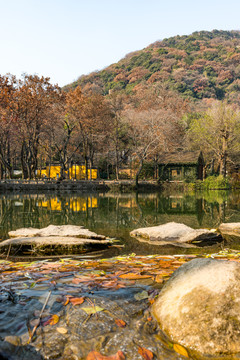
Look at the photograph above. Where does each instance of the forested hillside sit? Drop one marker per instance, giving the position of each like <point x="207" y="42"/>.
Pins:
<point x="202" y="65"/>
<point x="180" y="94"/>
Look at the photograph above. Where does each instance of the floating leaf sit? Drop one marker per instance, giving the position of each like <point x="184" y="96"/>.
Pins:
<point x="134" y="276"/>
<point x="76" y="301"/>
<point x="145" y="353"/>
<point x="120" y="323"/>
<point x="62" y="330"/>
<point x="141" y="295"/>
<point x="180" y="350"/>
<point x="159" y="279"/>
<point x="51" y="320"/>
<point x="94" y="355"/>
<point x="92" y="309"/>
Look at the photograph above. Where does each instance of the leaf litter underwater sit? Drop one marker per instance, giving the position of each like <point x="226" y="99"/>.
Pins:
<point x="91" y="309"/>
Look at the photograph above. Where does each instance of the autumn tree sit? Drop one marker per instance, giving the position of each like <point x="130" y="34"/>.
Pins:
<point x="33" y="98"/>
<point x="119" y="134"/>
<point x="91" y="116"/>
<point x="152" y="131"/>
<point x="8" y="136"/>
<point x="61" y="140"/>
<point x="217" y="133"/>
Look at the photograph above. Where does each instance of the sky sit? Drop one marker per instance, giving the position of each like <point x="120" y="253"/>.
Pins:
<point x="63" y="39"/>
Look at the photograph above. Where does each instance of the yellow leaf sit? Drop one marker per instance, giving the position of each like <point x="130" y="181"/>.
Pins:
<point x="62" y="330"/>
<point x="92" y="309"/>
<point x="180" y="350"/>
<point x="54" y="320"/>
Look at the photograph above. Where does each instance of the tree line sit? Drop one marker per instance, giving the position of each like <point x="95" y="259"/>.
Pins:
<point x="40" y="123"/>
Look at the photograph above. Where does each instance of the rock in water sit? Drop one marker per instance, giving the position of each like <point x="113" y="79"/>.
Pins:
<point x="199" y="307"/>
<point x="60" y="230"/>
<point x="175" y="234"/>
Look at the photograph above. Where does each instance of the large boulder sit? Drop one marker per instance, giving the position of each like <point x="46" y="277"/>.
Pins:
<point x="53" y="230"/>
<point x="175" y="234"/>
<point x="199" y="307"/>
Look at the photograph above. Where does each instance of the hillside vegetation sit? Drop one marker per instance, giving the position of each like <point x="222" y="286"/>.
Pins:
<point x="201" y="65"/>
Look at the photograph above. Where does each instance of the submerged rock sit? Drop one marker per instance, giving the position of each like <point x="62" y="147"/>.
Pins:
<point x="53" y="230"/>
<point x="199" y="307"/>
<point x="175" y="234"/>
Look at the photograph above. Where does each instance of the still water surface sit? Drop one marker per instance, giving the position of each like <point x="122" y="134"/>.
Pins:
<point x="115" y="215"/>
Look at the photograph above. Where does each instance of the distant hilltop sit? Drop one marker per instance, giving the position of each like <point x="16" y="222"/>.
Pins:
<point x="205" y="64"/>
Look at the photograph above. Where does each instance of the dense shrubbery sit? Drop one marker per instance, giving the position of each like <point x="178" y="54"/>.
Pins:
<point x="213" y="183"/>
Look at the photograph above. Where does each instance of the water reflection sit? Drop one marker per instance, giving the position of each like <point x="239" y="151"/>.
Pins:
<point x="117" y="214"/>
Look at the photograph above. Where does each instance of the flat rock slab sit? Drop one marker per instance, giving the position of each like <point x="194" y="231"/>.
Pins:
<point x="53" y="230"/>
<point x="230" y="229"/>
<point x="174" y="234"/>
<point x="52" y="244"/>
<point x="199" y="307"/>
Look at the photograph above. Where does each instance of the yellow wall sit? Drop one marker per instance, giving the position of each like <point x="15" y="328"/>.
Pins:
<point x="55" y="171"/>
<point x="75" y="172"/>
<point x="78" y="172"/>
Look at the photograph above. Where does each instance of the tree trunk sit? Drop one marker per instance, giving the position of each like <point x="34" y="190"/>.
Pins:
<point x="223" y="161"/>
<point x="138" y="173"/>
<point x="86" y="168"/>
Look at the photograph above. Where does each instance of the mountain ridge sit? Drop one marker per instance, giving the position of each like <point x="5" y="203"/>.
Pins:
<point x="204" y="64"/>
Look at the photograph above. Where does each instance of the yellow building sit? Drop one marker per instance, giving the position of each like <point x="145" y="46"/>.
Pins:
<point x="77" y="172"/>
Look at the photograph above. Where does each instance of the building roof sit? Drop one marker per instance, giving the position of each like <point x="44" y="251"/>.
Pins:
<point x="180" y="157"/>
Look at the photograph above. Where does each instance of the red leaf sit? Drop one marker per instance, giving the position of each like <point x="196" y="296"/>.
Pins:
<point x="94" y="355"/>
<point x="76" y="301"/>
<point x="120" y="323"/>
<point x="146" y="354"/>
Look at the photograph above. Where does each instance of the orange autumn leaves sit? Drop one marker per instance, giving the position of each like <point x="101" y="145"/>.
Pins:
<point x="95" y="355"/>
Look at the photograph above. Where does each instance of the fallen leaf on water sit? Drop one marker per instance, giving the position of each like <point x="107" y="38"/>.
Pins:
<point x="92" y="309"/>
<point x="146" y="354"/>
<point x="52" y="320"/>
<point x="180" y="350"/>
<point x="94" y="355"/>
<point x="76" y="301"/>
<point x="62" y="330"/>
<point x="120" y="323"/>
<point x="159" y="279"/>
<point x="133" y="276"/>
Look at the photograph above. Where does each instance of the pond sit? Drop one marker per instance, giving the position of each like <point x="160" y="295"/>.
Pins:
<point x="116" y="214"/>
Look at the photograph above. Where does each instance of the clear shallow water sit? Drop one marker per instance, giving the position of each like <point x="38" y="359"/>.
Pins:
<point x="115" y="215"/>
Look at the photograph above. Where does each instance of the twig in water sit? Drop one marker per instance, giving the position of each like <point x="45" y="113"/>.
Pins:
<point x="39" y="319"/>
<point x="9" y="249"/>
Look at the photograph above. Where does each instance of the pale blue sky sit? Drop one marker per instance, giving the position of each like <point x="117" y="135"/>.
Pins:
<point x="64" y="39"/>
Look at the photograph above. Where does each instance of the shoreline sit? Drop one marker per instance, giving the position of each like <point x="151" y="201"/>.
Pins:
<point x="19" y="185"/>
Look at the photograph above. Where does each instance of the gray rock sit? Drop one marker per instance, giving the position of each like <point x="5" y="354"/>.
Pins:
<point x="53" y="230"/>
<point x="199" y="307"/>
<point x="174" y="234"/>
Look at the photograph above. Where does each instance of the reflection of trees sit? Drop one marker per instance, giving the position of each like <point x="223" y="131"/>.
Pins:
<point x="116" y="214"/>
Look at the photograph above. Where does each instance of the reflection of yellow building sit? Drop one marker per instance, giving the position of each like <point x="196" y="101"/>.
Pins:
<point x="51" y="204"/>
<point x="77" y="172"/>
<point x="75" y="204"/>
